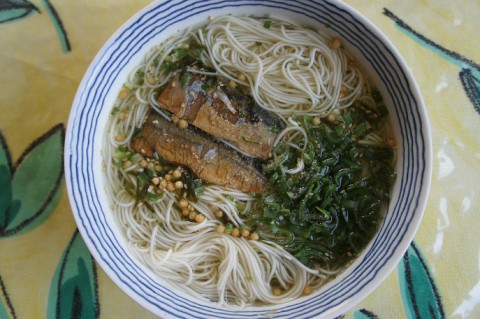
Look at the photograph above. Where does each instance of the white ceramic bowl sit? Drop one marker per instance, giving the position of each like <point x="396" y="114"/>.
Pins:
<point x="124" y="50"/>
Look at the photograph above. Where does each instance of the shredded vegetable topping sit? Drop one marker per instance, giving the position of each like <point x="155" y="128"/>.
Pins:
<point x="327" y="212"/>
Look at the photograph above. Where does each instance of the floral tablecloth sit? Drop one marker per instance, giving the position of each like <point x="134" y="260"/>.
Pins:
<point x="46" y="270"/>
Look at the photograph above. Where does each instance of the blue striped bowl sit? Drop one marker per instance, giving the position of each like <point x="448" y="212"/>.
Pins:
<point x="125" y="49"/>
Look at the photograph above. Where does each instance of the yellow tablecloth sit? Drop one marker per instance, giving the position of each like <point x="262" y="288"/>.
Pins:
<point x="46" y="46"/>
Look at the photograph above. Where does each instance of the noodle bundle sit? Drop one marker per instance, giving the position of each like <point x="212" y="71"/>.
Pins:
<point x="291" y="71"/>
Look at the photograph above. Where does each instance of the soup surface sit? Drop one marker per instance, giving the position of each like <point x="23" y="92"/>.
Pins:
<point x="248" y="161"/>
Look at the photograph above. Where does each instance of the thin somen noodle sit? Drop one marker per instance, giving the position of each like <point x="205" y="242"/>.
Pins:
<point x="231" y="246"/>
<point x="288" y="67"/>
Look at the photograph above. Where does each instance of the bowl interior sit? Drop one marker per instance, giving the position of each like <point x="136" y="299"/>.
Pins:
<point x="125" y="49"/>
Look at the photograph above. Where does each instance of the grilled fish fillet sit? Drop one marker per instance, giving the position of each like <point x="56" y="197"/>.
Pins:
<point x="223" y="113"/>
<point x="211" y="161"/>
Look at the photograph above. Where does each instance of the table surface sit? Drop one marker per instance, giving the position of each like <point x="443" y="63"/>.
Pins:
<point x="46" y="46"/>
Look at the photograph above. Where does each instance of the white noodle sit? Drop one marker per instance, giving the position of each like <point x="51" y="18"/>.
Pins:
<point x="288" y="69"/>
<point x="292" y="70"/>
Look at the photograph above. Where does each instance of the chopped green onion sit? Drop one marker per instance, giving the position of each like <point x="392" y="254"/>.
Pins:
<point x="143" y="177"/>
<point x="240" y="207"/>
<point x="136" y="158"/>
<point x="198" y="187"/>
<point x="360" y="130"/>
<point x="348" y="118"/>
<point x="350" y="204"/>
<point x="274" y="129"/>
<point x="179" y="53"/>
<point x="339" y="192"/>
<point x="152" y="197"/>
<point x="276" y="163"/>
<point x="129" y="86"/>
<point x="185" y="79"/>
<point x="206" y="86"/>
<point x="115" y="110"/>
<point x="167" y="66"/>
<point x="197" y="52"/>
<point x="372" y="143"/>
<point x="275" y="228"/>
<point x="123" y="155"/>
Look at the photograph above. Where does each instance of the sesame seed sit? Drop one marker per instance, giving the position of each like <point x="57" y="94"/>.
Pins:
<point x="182" y="124"/>
<point x="185" y="211"/>
<point x="199" y="218"/>
<point x="336" y="43"/>
<point x="235" y="232"/>
<point x="170" y="187"/>
<point x="276" y="291"/>
<point x="178" y="184"/>
<point x="254" y="236"/>
<point x="307" y="290"/>
<point x="183" y="203"/>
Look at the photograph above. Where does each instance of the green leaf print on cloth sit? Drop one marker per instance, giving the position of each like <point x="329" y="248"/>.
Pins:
<point x="364" y="314"/>
<point x="470" y="70"/>
<point x="6" y="309"/>
<point x="73" y="290"/>
<point x="5" y="184"/>
<point x="12" y="10"/>
<point x="31" y="186"/>
<point x="419" y="293"/>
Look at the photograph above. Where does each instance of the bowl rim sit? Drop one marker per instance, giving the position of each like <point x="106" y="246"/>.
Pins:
<point x="402" y="245"/>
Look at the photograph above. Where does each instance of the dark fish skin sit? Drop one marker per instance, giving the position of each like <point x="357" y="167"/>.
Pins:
<point x="211" y="161"/>
<point x="249" y="127"/>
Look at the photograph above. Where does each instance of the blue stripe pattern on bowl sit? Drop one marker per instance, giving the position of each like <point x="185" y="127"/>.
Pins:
<point x="85" y="133"/>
